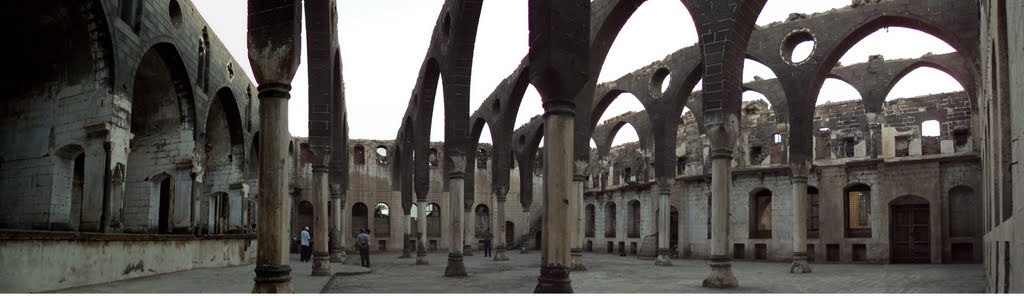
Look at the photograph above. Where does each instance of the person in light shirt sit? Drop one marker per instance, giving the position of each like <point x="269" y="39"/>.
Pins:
<point x="305" y="243"/>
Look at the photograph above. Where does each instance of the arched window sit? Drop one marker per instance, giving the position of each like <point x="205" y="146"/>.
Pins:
<point x="303" y="217"/>
<point x="432" y="157"/>
<point x="204" y="60"/>
<point x="483" y="220"/>
<point x="857" y="213"/>
<point x="382" y="155"/>
<point x="609" y="220"/>
<point x="589" y="221"/>
<point x="360" y="218"/>
<point x="761" y="214"/>
<point x="433" y="220"/>
<point x="359" y="155"/>
<point x="382" y="220"/>
<point x="813" y="212"/>
<point x="634" y="219"/>
<point x="481" y="158"/>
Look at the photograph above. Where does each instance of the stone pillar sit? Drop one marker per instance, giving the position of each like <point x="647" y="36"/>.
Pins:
<point x="406" y="236"/>
<point x="274" y="53"/>
<point x="575" y="208"/>
<point x="874" y="141"/>
<point x="273" y="274"/>
<point x="421" y="221"/>
<point x="338" y="208"/>
<point x="664" y="223"/>
<point x="468" y="230"/>
<point x="456" y="183"/>
<point x="799" y="181"/>
<point x="527" y="237"/>
<point x="500" y="192"/>
<point x="321" y="257"/>
<point x="558" y="172"/>
<point x="722" y="140"/>
<point x="197" y="203"/>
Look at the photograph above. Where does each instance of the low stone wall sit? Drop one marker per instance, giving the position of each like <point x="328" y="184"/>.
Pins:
<point x="45" y="261"/>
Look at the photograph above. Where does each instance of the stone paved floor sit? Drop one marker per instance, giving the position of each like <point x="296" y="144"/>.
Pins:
<point x="234" y="279"/>
<point x="614" y="274"/>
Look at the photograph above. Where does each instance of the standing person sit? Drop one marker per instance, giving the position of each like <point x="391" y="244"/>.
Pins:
<point x="487" y="243"/>
<point x="304" y="243"/>
<point x="363" y="244"/>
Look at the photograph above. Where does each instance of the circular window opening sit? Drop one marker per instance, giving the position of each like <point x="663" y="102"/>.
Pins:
<point x="798" y="46"/>
<point x="446" y="25"/>
<point x="174" y="10"/>
<point x="660" y="81"/>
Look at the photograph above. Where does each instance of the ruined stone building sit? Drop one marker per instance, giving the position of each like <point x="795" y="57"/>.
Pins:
<point x="133" y="142"/>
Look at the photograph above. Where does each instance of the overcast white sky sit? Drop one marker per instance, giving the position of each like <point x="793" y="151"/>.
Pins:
<point x="383" y="43"/>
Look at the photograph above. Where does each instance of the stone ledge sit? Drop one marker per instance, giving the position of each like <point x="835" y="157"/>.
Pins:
<point x="13" y="234"/>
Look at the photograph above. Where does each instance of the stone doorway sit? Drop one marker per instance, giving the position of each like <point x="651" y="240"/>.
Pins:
<point x="166" y="204"/>
<point x="910" y="230"/>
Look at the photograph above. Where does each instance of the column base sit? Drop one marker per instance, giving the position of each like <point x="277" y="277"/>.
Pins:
<point x="421" y="258"/>
<point x="321" y="264"/>
<point x="406" y="253"/>
<point x="553" y="279"/>
<point x="338" y="255"/>
<point x="467" y="250"/>
<point x="500" y="254"/>
<point x="664" y="258"/>
<point x="721" y="275"/>
<point x="455" y="266"/>
<point x="576" y="260"/>
<point x="272" y="279"/>
<point x="800" y="264"/>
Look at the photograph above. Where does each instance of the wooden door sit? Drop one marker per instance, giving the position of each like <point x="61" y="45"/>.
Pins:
<point x="911" y="240"/>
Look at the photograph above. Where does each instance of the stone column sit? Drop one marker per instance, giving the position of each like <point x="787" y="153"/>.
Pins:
<point x="468" y="230"/>
<point x="558" y="172"/>
<point x="874" y="141"/>
<point x="321" y="257"/>
<point x="575" y="208"/>
<point x="421" y="221"/>
<point x="274" y="53"/>
<point x="500" y="193"/>
<point x="456" y="184"/>
<point x="407" y="235"/>
<point x="722" y="140"/>
<point x="799" y="181"/>
<point x="197" y="200"/>
<point x="273" y="274"/>
<point x="527" y="238"/>
<point x="664" y="223"/>
<point x="338" y="208"/>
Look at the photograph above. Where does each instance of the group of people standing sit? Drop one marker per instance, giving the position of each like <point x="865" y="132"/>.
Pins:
<point x="362" y="244"/>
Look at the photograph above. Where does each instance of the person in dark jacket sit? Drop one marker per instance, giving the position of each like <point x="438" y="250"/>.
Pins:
<point x="487" y="243"/>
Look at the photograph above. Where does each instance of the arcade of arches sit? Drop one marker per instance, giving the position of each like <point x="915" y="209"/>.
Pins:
<point x="148" y="135"/>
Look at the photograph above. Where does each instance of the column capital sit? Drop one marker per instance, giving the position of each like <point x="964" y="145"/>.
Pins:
<point x="800" y="169"/>
<point x="500" y="191"/>
<point x="337" y="192"/>
<point x="458" y="169"/>
<point x="722" y="135"/>
<point x="782" y="127"/>
<point x="555" y="106"/>
<point x="319" y="168"/>
<point x="580" y="169"/>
